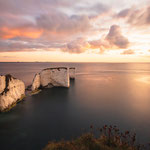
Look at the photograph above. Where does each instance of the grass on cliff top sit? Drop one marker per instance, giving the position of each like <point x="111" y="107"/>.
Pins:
<point x="110" y="138"/>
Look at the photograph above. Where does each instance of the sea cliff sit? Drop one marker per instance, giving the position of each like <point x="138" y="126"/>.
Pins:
<point x="11" y="91"/>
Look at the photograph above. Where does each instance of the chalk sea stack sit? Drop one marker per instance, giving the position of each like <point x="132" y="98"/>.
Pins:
<point x="72" y="73"/>
<point x="11" y="91"/>
<point x="51" y="77"/>
<point x="36" y="82"/>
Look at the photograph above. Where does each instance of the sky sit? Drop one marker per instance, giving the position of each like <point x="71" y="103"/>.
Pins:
<point x="74" y="31"/>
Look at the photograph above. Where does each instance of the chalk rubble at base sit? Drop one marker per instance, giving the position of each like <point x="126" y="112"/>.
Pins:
<point x="11" y="90"/>
<point x="53" y="77"/>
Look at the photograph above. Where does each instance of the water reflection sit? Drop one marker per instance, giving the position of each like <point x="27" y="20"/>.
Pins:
<point x="100" y="94"/>
<point x="144" y="79"/>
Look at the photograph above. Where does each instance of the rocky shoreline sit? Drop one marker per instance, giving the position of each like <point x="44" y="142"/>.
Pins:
<point x="13" y="90"/>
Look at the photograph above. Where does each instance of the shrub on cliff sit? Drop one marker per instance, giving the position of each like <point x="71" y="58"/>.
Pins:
<point x="110" y="139"/>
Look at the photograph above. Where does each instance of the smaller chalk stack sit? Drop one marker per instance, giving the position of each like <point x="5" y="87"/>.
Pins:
<point x="72" y="73"/>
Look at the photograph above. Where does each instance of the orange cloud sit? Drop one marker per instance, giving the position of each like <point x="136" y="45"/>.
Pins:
<point x="7" y="33"/>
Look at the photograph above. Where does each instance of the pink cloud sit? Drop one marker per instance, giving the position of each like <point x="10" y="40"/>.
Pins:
<point x="113" y="40"/>
<point x="79" y="45"/>
<point x="136" y="17"/>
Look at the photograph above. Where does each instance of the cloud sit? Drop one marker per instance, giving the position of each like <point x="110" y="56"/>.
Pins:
<point x="53" y="26"/>
<point x="79" y="45"/>
<point x="93" y="9"/>
<point x="48" y="19"/>
<point x="19" y="46"/>
<point x="140" y="17"/>
<point x="136" y="17"/>
<point x="116" y="38"/>
<point x="32" y="7"/>
<point x="8" y="56"/>
<point x="45" y="26"/>
<point x="113" y="40"/>
<point x="123" y="13"/>
<point x="101" y="44"/>
<point x="57" y="24"/>
<point x="128" y="52"/>
<point x="8" y="33"/>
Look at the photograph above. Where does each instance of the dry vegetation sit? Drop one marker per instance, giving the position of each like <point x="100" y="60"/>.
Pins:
<point x="110" y="138"/>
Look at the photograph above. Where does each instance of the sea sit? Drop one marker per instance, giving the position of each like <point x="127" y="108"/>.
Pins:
<point x="102" y="93"/>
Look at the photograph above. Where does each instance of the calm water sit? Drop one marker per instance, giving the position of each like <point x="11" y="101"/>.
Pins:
<point x="102" y="93"/>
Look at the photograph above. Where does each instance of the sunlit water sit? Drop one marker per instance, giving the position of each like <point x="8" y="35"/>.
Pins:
<point x="102" y="93"/>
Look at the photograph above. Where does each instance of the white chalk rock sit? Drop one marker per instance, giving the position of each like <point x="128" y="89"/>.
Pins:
<point x="58" y="77"/>
<point x="45" y="77"/>
<point x="14" y="90"/>
<point x="2" y="84"/>
<point x="36" y="82"/>
<point x="72" y="73"/>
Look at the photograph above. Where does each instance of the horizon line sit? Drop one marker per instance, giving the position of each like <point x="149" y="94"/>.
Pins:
<point x="67" y="62"/>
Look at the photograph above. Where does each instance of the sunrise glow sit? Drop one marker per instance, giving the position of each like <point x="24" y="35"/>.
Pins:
<point x="75" y="31"/>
